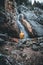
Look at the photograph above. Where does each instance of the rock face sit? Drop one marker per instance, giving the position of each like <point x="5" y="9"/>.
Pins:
<point x="11" y="15"/>
<point x="8" y="27"/>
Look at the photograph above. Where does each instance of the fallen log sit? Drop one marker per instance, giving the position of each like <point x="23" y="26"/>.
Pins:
<point x="27" y="26"/>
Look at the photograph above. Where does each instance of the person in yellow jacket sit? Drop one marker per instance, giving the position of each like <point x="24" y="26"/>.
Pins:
<point x="21" y="35"/>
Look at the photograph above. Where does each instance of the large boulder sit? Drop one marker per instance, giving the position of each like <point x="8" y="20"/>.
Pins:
<point x="6" y="27"/>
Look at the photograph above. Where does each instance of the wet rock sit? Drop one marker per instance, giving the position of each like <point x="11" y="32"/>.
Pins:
<point x="41" y="44"/>
<point x="24" y="41"/>
<point x="2" y="42"/>
<point x="3" y="60"/>
<point x="7" y="60"/>
<point x="4" y="36"/>
<point x="21" y="42"/>
<point x="8" y="48"/>
<point x="41" y="50"/>
<point x="28" y="44"/>
<point x="38" y="44"/>
<point x="40" y="19"/>
<point x="35" y="47"/>
<point x="19" y="45"/>
<point x="40" y="40"/>
<point x="24" y="55"/>
<point x="10" y="43"/>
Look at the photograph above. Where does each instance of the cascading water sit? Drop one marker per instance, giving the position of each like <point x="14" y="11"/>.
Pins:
<point x="22" y="28"/>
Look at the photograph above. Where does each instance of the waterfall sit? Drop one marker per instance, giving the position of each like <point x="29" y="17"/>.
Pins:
<point x="22" y="28"/>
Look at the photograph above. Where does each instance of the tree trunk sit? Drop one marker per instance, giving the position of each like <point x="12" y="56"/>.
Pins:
<point x="28" y="27"/>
